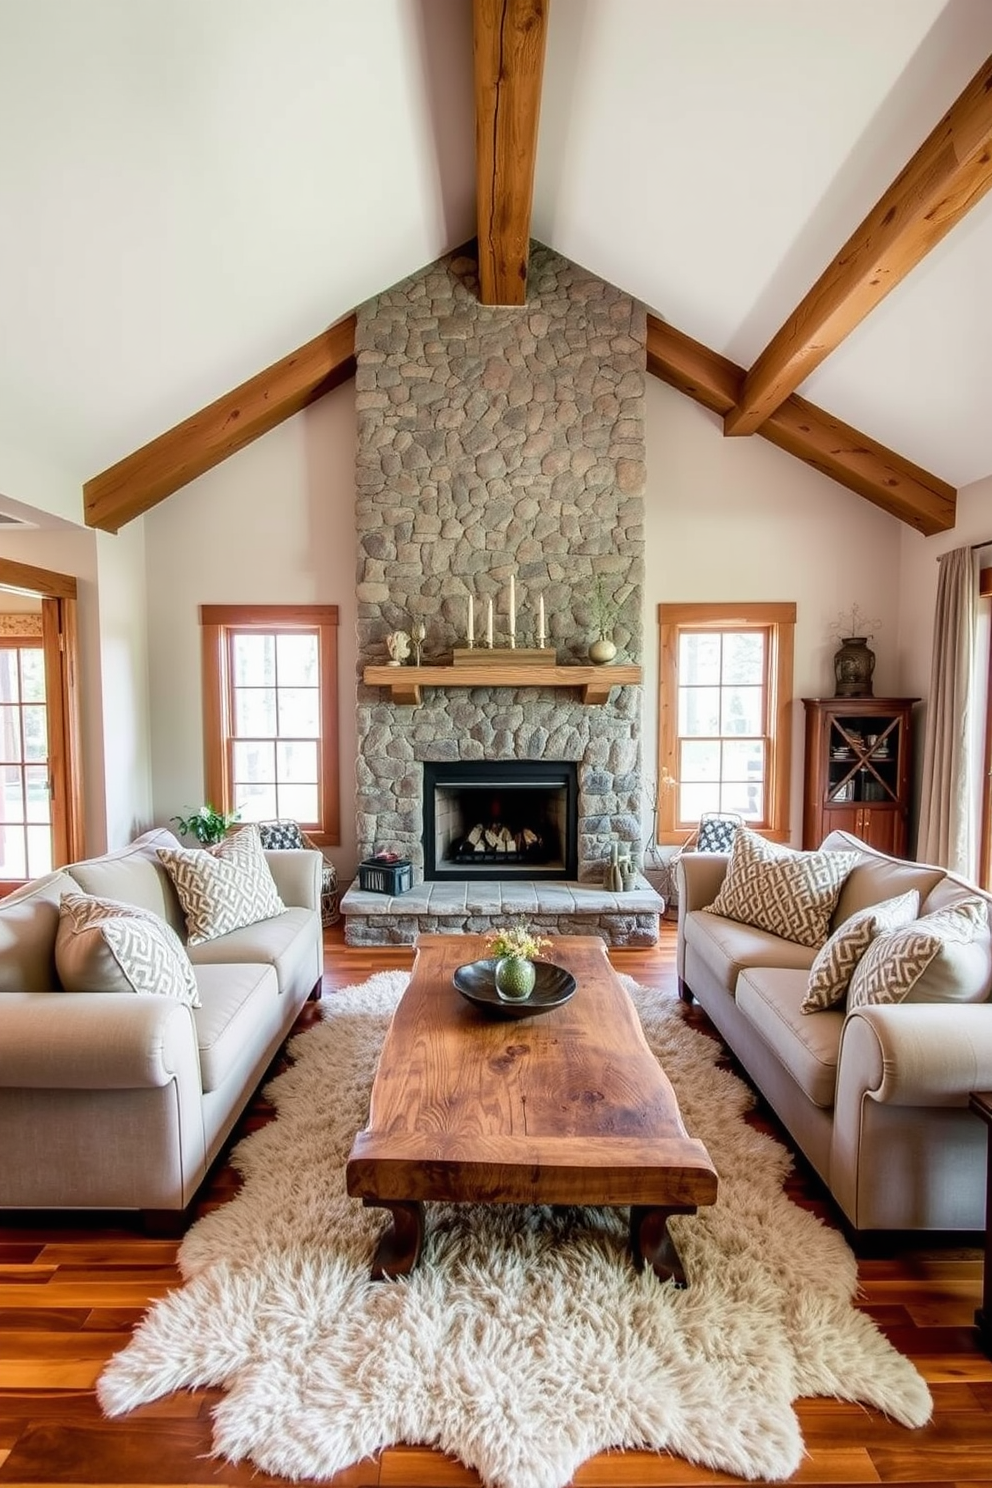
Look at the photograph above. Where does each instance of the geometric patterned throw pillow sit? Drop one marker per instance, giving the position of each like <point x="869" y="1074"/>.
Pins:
<point x="831" y="972"/>
<point x="791" y="894"/>
<point x="222" y="888"/>
<point x="896" y="965"/>
<point x="106" y="946"/>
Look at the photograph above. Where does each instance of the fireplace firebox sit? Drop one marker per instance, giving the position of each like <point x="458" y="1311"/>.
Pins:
<point x="501" y="819"/>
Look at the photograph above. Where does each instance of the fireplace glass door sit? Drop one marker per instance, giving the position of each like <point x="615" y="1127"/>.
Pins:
<point x="506" y="819"/>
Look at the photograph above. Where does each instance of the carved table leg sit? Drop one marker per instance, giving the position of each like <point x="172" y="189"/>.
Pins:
<point x="650" y="1240"/>
<point x="399" y="1247"/>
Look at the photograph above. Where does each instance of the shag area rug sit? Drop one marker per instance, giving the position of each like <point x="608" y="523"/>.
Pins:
<point x="525" y="1342"/>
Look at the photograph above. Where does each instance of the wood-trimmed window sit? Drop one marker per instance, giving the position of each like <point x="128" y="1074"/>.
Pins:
<point x="985" y="840"/>
<point x="725" y="727"/>
<point x="270" y="714"/>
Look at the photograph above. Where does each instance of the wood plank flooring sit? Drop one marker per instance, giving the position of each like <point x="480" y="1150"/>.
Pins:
<point x="70" y="1293"/>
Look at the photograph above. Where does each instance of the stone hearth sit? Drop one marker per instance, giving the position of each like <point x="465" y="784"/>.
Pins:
<point x="496" y="441"/>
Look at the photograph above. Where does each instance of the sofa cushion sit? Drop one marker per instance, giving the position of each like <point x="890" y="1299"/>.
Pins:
<point x="235" y="999"/>
<point x="223" y="888"/>
<point x="944" y="957"/>
<point x="789" y="893"/>
<point x="285" y="942"/>
<point x="134" y="875"/>
<point x="771" y="999"/>
<point x="106" y="946"/>
<point x="29" y="922"/>
<point x="831" y="972"/>
<point x="726" y="946"/>
<point x="875" y="876"/>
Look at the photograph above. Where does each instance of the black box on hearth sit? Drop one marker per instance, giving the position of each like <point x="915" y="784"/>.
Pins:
<point x="380" y="876"/>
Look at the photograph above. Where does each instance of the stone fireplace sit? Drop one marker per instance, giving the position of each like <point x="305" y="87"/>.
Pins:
<point x="500" y="819"/>
<point x="497" y="442"/>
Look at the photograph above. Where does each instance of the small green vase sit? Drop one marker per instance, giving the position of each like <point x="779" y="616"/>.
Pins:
<point x="514" y="977"/>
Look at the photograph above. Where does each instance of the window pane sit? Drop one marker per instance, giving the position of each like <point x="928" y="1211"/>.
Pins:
<point x="299" y="802"/>
<point x="298" y="663"/>
<point x="255" y="712"/>
<point x="700" y="761"/>
<point x="699" y="710"/>
<point x="255" y="802"/>
<point x="33" y="674"/>
<point x="299" y="712"/>
<point x="9" y="692"/>
<point x="35" y="732"/>
<point x="36" y="790"/>
<point x="744" y="657"/>
<point x="254" y="762"/>
<point x="695" y="799"/>
<point x="742" y="711"/>
<point x="747" y="799"/>
<point x="743" y="759"/>
<point x="254" y="660"/>
<point x="699" y="658"/>
<point x="296" y="762"/>
<point x="39" y="851"/>
<point x="12" y="785"/>
<point x="13" y="854"/>
<point x="10" y="734"/>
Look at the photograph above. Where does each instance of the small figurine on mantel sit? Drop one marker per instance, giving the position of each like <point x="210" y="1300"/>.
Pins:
<point x="398" y="646"/>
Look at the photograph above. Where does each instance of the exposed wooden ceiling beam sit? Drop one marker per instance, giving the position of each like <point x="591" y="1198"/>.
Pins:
<point x="14" y="575"/>
<point x="142" y="479"/>
<point x="950" y="172"/>
<point x="509" y="38"/>
<point x="880" y="475"/>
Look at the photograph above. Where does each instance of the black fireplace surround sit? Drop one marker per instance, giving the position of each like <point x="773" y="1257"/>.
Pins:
<point x="501" y="819"/>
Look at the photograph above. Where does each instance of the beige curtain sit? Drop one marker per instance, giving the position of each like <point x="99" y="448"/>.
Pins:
<point x="948" y="811"/>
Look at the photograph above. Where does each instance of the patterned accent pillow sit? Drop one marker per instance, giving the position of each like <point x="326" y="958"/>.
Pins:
<point x="222" y="888"/>
<point x="943" y="957"/>
<point x="788" y="893"/>
<point x="280" y="834"/>
<point x="831" y="972"/>
<point x="103" y="945"/>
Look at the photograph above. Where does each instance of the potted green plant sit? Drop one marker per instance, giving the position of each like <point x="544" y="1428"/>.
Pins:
<point x="205" y="824"/>
<point x="604" y="611"/>
<point x="514" y="951"/>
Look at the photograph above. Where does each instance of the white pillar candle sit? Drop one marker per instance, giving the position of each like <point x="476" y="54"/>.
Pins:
<point x="540" y="621"/>
<point x="471" y="621"/>
<point x="513" y="611"/>
<point x="489" y="625"/>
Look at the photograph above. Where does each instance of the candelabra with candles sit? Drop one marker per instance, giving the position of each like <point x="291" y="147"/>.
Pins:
<point x="488" y="652"/>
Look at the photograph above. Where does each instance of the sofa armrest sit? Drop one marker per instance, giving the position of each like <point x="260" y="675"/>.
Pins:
<point x="916" y="1054"/>
<point x="94" y="1040"/>
<point x="298" y="875"/>
<point x="699" y="876"/>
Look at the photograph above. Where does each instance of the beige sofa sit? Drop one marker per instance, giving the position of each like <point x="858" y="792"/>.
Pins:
<point x="122" y="1101"/>
<point x="876" y="1098"/>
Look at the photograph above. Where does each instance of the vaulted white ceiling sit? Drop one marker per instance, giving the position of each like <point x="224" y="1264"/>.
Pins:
<point x="189" y="189"/>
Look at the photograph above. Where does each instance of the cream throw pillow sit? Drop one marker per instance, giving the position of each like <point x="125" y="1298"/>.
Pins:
<point x="831" y="972"/>
<point x="788" y="893"/>
<point x="943" y="957"/>
<point x="103" y="945"/>
<point x="222" y="888"/>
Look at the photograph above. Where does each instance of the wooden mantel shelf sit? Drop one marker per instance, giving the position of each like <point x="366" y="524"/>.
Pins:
<point x="405" y="682"/>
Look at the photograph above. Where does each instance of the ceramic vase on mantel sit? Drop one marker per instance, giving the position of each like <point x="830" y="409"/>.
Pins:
<point x="854" y="664"/>
<point x="602" y="651"/>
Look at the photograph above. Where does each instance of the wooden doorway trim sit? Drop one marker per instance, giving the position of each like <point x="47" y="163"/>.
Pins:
<point x="60" y="643"/>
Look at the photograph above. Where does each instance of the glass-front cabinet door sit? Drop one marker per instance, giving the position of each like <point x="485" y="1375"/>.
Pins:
<point x="858" y="770"/>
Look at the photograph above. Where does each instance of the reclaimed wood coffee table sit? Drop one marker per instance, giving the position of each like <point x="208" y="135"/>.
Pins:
<point x="566" y="1107"/>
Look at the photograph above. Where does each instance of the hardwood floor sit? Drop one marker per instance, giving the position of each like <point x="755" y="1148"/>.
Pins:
<point x="71" y="1292"/>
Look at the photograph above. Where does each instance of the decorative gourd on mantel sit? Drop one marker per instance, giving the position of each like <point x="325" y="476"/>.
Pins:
<point x="596" y="682"/>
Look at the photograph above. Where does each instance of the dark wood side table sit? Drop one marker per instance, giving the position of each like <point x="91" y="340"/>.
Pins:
<point x="981" y="1102"/>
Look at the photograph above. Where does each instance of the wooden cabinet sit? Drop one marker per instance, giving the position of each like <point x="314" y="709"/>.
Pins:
<point x="858" y="770"/>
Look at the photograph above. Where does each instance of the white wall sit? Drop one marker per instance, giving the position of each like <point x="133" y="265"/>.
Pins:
<point x="124" y="669"/>
<point x="736" y="519"/>
<point x="274" y="524"/>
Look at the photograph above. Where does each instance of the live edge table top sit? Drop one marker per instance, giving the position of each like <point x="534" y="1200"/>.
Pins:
<point x="567" y="1107"/>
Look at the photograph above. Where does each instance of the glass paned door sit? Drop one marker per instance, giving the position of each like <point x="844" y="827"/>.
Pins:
<point x="25" y="797"/>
